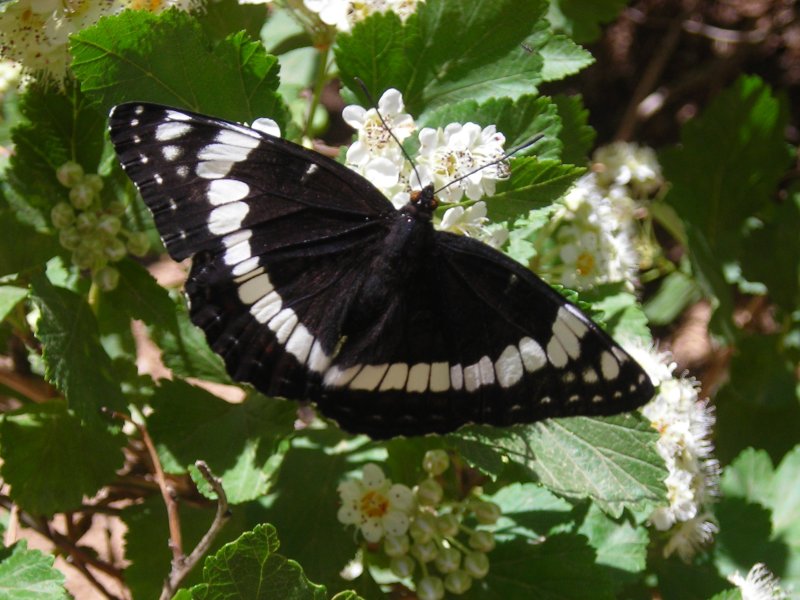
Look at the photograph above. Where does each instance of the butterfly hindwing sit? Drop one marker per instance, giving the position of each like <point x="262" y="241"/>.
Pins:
<point x="311" y="286"/>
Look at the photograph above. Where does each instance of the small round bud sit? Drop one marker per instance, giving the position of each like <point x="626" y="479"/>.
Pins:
<point x="396" y="545"/>
<point x="448" y="560"/>
<point x="423" y="528"/>
<point x="85" y="222"/>
<point x="430" y="588"/>
<point x="94" y="181"/>
<point x="435" y="462"/>
<point x="69" y="238"/>
<point x="457" y="582"/>
<point x="116" y="208"/>
<point x="402" y="566"/>
<point x="482" y="540"/>
<point x="69" y="173"/>
<point x="107" y="278"/>
<point x="138" y="243"/>
<point x="109" y="224"/>
<point x="81" y="196"/>
<point x="476" y="564"/>
<point x="429" y="492"/>
<point x="487" y="513"/>
<point x="115" y="250"/>
<point x="447" y="524"/>
<point x="425" y="552"/>
<point x="83" y="257"/>
<point x="62" y="215"/>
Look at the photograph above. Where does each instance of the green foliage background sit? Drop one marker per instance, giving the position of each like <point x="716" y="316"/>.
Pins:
<point x="575" y="493"/>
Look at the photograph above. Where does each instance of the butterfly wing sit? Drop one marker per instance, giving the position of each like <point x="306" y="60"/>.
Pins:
<point x="478" y="338"/>
<point x="279" y="236"/>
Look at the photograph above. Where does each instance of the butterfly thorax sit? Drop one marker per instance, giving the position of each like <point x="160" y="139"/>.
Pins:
<point x="422" y="204"/>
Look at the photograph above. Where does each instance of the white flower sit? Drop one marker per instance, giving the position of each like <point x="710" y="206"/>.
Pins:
<point x="684" y="423"/>
<point x="343" y="14"/>
<point x="628" y="164"/>
<point x="472" y="222"/>
<point x="331" y="12"/>
<point x="759" y="584"/>
<point x="268" y="126"/>
<point x="374" y="505"/>
<point x="10" y="72"/>
<point x="457" y="150"/>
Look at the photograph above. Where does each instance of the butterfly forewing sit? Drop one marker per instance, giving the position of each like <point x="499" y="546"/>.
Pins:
<point x="313" y="287"/>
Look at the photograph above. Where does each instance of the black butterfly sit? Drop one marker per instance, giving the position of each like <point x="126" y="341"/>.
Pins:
<point x="312" y="286"/>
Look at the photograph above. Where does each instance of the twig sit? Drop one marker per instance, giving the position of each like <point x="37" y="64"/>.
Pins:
<point x="182" y="567"/>
<point x="173" y="518"/>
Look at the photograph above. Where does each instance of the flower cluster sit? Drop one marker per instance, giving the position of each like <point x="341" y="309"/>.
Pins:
<point x="343" y="14"/>
<point x="36" y="33"/>
<point x="93" y="234"/>
<point x="595" y="224"/>
<point x="759" y="584"/>
<point x="445" y="155"/>
<point x="684" y="422"/>
<point x="421" y="532"/>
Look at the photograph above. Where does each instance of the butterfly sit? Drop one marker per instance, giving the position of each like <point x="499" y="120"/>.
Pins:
<point x="312" y="286"/>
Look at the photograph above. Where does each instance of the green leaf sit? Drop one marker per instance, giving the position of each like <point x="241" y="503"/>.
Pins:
<point x="732" y="594"/>
<point x="562" y="567"/>
<point x="29" y="575"/>
<point x="611" y="460"/>
<point x="563" y="57"/>
<point x="241" y="443"/>
<point x="444" y="54"/>
<point x="622" y="314"/>
<point x="250" y="569"/>
<point x="517" y="120"/>
<point x="533" y="184"/>
<point x="22" y="247"/>
<point x="581" y="19"/>
<point x="140" y="297"/>
<point x="51" y="460"/>
<point x="75" y="361"/>
<point x="137" y="55"/>
<point x="10" y="296"/>
<point x="620" y="545"/>
<point x="717" y="191"/>
<point x="224" y="17"/>
<point x="677" y="291"/>
<point x="529" y="510"/>
<point x="576" y="133"/>
<point x="748" y="476"/>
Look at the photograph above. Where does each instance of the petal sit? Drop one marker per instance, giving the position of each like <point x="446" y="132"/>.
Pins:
<point x="267" y="126"/>
<point x="382" y="172"/>
<point x="373" y="476"/>
<point x="350" y="491"/>
<point x="357" y="154"/>
<point x="451" y="218"/>
<point x="372" y="529"/>
<point x="401" y="497"/>
<point x="395" y="522"/>
<point x="354" y="115"/>
<point x="348" y="515"/>
<point x="391" y="103"/>
<point x="428" y="140"/>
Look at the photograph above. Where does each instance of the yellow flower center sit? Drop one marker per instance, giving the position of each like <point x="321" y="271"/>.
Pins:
<point x="374" y="504"/>
<point x="585" y="263"/>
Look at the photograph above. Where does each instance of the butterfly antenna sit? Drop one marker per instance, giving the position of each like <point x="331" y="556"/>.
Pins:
<point x="374" y="104"/>
<point x="505" y="156"/>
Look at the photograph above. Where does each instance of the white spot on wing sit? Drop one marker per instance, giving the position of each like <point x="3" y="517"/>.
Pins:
<point x="369" y="377"/>
<point x="556" y="354"/>
<point x="171" y="131"/>
<point x="182" y="171"/>
<point x="395" y="378"/>
<point x="266" y="308"/>
<point x="609" y="366"/>
<point x="246" y="268"/>
<point x="568" y="340"/>
<point x="472" y="377"/>
<point x="254" y="289"/>
<point x="533" y="356"/>
<point x="456" y="377"/>
<point x="227" y="218"/>
<point x="299" y="343"/>
<point x="590" y="375"/>
<point x="213" y="169"/>
<point x="282" y="324"/>
<point x="418" y="377"/>
<point x="573" y="319"/>
<point x="509" y="367"/>
<point x="336" y="377"/>
<point x="223" y="152"/>
<point x="486" y="367"/>
<point x="318" y="360"/>
<point x="238" y="138"/>
<point x="178" y="116"/>
<point x="222" y="191"/>
<point x="440" y="377"/>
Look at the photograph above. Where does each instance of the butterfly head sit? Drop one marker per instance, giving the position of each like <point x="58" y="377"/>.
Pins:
<point x="423" y="202"/>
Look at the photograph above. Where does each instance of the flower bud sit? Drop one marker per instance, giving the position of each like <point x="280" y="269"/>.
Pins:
<point x="448" y="560"/>
<point x="396" y="545"/>
<point x="62" y="215"/>
<point x="435" y="462"/>
<point x="85" y="222"/>
<point x="94" y="181"/>
<point x="476" y="564"/>
<point x="69" y="173"/>
<point x="429" y="492"/>
<point x="430" y="588"/>
<point x="447" y="524"/>
<point x="457" y="582"/>
<point x="81" y="196"/>
<point x="107" y="278"/>
<point x="69" y="238"/>
<point x="402" y="566"/>
<point x="83" y="257"/>
<point x="425" y="552"/>
<point x="486" y="513"/>
<point x="138" y="243"/>
<point x="109" y="224"/>
<point x="115" y="250"/>
<point x="116" y="208"/>
<point x="423" y="528"/>
<point x="482" y="540"/>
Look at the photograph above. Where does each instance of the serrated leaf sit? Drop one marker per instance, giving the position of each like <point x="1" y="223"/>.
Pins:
<point x="576" y="134"/>
<point x="140" y="55"/>
<point x="241" y="443"/>
<point x="560" y="568"/>
<point x="581" y="19"/>
<point x="716" y="191"/>
<point x="22" y="247"/>
<point x="443" y="54"/>
<point x="140" y="297"/>
<point x="51" y="460"/>
<point x="533" y="184"/>
<point x="29" y="575"/>
<point x="748" y="476"/>
<point x="786" y="498"/>
<point x="677" y="291"/>
<point x="224" y="17"/>
<point x="529" y="510"/>
<point x="75" y="361"/>
<point x="611" y="460"/>
<point x="250" y="569"/>
<point x="518" y="120"/>
<point x="10" y="296"/>
<point x="622" y="314"/>
<point x="620" y="545"/>
<point x="562" y="58"/>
